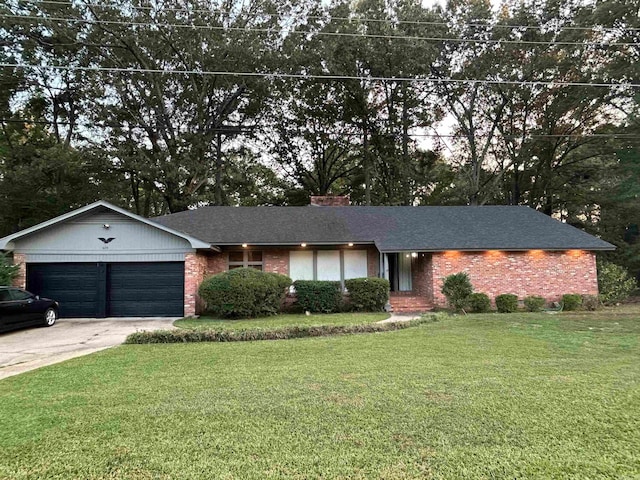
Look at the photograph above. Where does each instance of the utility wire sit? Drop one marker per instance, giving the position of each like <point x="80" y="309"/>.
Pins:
<point x="304" y="76"/>
<point x="432" y="135"/>
<point x="331" y="17"/>
<point x="320" y="33"/>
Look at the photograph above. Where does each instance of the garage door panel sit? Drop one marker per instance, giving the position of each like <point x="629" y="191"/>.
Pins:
<point x="74" y="286"/>
<point x="146" y="289"/>
<point x="117" y="289"/>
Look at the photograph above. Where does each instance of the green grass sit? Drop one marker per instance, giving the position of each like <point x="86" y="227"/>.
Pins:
<point x="283" y="320"/>
<point x="484" y="396"/>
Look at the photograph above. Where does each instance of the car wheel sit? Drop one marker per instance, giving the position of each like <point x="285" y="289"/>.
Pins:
<point x="50" y="317"/>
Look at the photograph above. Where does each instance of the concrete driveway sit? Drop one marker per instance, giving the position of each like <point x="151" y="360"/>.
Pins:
<point x="31" y="348"/>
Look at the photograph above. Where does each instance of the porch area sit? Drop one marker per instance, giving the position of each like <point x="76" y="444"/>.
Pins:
<point x="410" y="280"/>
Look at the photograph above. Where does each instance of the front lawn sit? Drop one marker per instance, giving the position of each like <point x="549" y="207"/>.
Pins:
<point x="282" y="320"/>
<point x="484" y="396"/>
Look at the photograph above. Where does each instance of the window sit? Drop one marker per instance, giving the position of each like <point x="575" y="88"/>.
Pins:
<point x="5" y="296"/>
<point x="336" y="265"/>
<point x="247" y="258"/>
<point x="301" y="265"/>
<point x="20" y="294"/>
<point x="355" y="264"/>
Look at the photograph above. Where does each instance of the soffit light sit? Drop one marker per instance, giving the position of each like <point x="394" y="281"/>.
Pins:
<point x="350" y="244"/>
<point x="303" y="244"/>
<point x="244" y="245"/>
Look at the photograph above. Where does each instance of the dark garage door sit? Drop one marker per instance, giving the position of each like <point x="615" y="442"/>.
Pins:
<point x="111" y="289"/>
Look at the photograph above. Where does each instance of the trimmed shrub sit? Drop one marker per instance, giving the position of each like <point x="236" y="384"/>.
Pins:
<point x="244" y="293"/>
<point x="368" y="294"/>
<point x="479" y="303"/>
<point x="280" y="333"/>
<point x="507" y="303"/>
<point x="571" y="301"/>
<point x="534" y="303"/>
<point x="8" y="271"/>
<point x="614" y="282"/>
<point x="457" y="288"/>
<point x="318" y="295"/>
<point x="590" y="302"/>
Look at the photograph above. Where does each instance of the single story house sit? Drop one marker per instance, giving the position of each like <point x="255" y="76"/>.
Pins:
<point x="101" y="260"/>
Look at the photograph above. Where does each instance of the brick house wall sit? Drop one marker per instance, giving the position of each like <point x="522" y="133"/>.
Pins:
<point x="20" y="280"/>
<point x="195" y="268"/>
<point x="536" y="272"/>
<point x="276" y="261"/>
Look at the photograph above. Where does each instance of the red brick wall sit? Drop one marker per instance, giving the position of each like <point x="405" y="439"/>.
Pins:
<point x="20" y="280"/>
<point x="217" y="263"/>
<point x="373" y="262"/>
<point x="276" y="261"/>
<point x="195" y="267"/>
<point x="330" y="200"/>
<point x="421" y="283"/>
<point x="536" y="272"/>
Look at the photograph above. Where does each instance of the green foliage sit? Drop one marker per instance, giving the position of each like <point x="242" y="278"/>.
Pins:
<point x="368" y="294"/>
<point x="590" y="302"/>
<point x="534" y="303"/>
<point x="479" y="302"/>
<point x="614" y="283"/>
<point x="571" y="301"/>
<point x="244" y="293"/>
<point x="457" y="288"/>
<point x="507" y="303"/>
<point x="318" y="295"/>
<point x="281" y="333"/>
<point x="8" y="271"/>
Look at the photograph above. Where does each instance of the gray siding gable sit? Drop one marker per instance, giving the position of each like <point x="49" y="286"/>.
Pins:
<point x="78" y="239"/>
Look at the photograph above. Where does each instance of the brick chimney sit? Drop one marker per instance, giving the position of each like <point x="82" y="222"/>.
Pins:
<point x="330" y="200"/>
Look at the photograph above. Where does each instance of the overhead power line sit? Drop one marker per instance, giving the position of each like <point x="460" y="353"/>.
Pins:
<point x="252" y="128"/>
<point x="304" y="76"/>
<point x="330" y="17"/>
<point x="319" y="33"/>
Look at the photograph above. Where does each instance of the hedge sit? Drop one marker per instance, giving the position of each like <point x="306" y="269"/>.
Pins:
<point x="534" y="303"/>
<point x="318" y="295"/>
<point x="479" y="303"/>
<point x="244" y="292"/>
<point x="571" y="301"/>
<point x="457" y="288"/>
<point x="368" y="294"/>
<point x="280" y="333"/>
<point x="507" y="303"/>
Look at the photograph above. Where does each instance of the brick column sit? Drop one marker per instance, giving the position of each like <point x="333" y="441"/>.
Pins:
<point x="195" y="266"/>
<point x="20" y="280"/>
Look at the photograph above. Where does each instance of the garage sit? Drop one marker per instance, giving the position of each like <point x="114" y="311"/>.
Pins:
<point x="111" y="289"/>
<point x="103" y="261"/>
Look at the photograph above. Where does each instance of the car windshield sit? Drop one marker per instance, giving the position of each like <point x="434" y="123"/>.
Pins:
<point x="5" y="296"/>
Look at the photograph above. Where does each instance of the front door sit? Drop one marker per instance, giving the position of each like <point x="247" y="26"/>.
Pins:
<point x="399" y="271"/>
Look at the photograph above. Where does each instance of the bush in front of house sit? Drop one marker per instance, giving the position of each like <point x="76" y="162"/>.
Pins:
<point x="8" y="271"/>
<point x="280" y="333"/>
<point x="457" y="289"/>
<point x="318" y="296"/>
<point x="534" y="303"/>
<point x="571" y="302"/>
<point x="590" y="302"/>
<point x="507" y="303"/>
<point x="244" y="293"/>
<point x="368" y="294"/>
<point x="479" y="303"/>
<point x="614" y="282"/>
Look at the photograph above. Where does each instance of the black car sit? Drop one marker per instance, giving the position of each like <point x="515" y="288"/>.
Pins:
<point x="19" y="308"/>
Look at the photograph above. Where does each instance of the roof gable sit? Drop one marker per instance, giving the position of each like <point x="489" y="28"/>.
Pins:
<point x="6" y="243"/>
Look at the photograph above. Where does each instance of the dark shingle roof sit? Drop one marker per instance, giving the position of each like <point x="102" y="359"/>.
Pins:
<point x="391" y="228"/>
